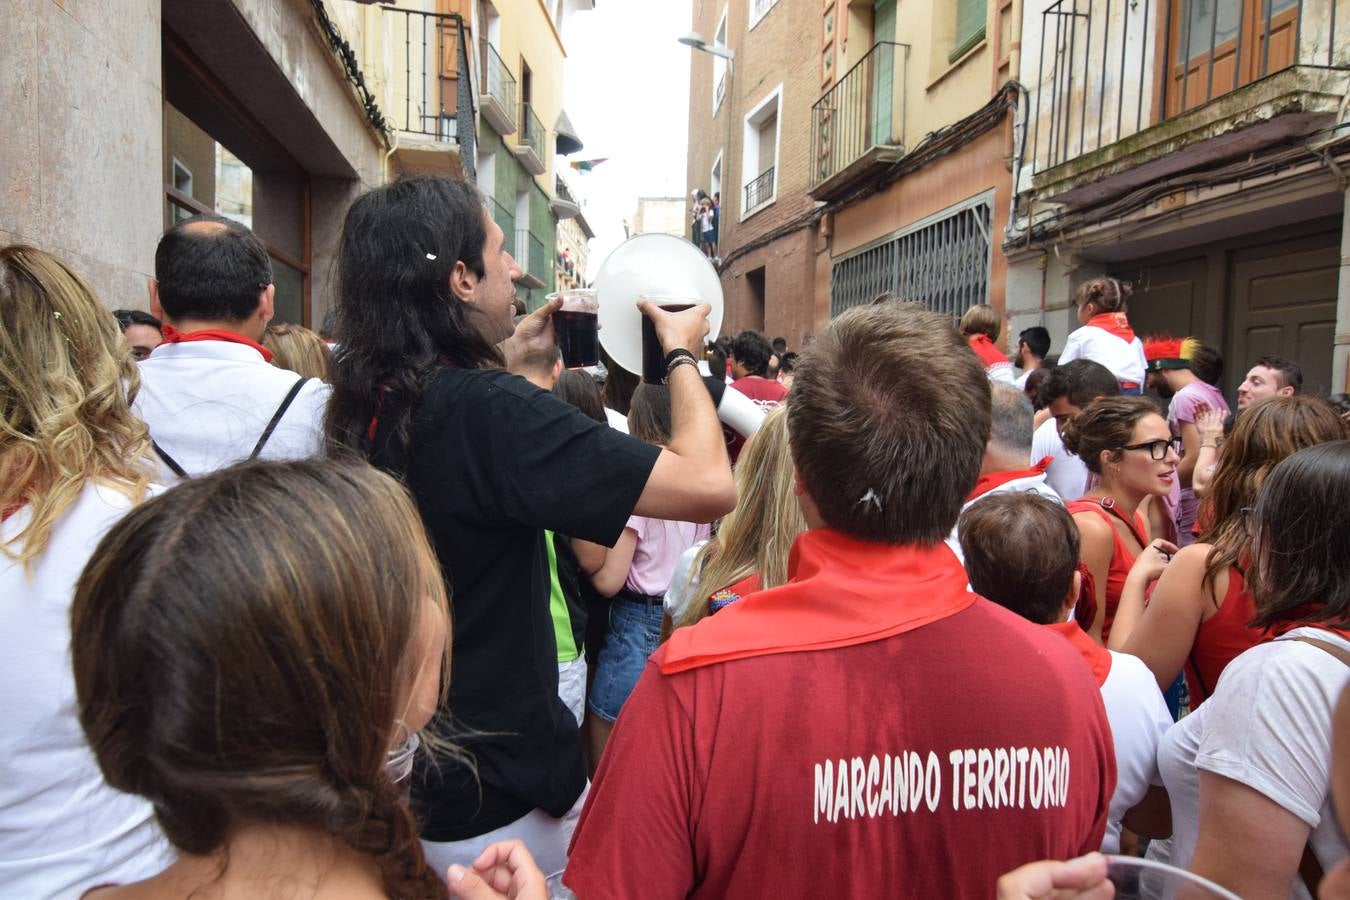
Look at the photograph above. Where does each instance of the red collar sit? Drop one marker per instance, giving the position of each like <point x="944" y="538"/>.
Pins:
<point x="174" y="336"/>
<point x="10" y="510"/>
<point x="1094" y="654"/>
<point x="840" y="592"/>
<point x="994" y="480"/>
<point x="986" y="351"/>
<point x="1115" y="323"/>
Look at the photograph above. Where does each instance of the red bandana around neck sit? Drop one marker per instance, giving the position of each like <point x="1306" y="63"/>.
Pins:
<point x="992" y="480"/>
<point x="174" y="336"/>
<point x="841" y="592"/>
<point x="1115" y="323"/>
<point x="1094" y="654"/>
<point x="987" y="352"/>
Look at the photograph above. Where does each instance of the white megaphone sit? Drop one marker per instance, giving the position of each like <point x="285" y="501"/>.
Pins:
<point x="667" y="270"/>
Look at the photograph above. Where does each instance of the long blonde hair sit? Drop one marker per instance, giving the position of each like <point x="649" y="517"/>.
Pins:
<point x="297" y="348"/>
<point x="67" y="381"/>
<point x="755" y="537"/>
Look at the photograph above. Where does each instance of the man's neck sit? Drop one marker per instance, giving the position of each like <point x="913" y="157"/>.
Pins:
<point x="1183" y="378"/>
<point x="1003" y="461"/>
<point x="246" y="329"/>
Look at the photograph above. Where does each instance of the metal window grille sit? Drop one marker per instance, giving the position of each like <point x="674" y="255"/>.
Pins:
<point x="943" y="264"/>
<point x="760" y="190"/>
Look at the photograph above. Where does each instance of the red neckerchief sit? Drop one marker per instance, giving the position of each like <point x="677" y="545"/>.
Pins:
<point x="994" y="480"/>
<point x="1284" y="628"/>
<point x="986" y="351"/>
<point x="1115" y="323"/>
<point x="174" y="336"/>
<point x="10" y="510"/>
<point x="840" y="592"/>
<point x="1094" y="654"/>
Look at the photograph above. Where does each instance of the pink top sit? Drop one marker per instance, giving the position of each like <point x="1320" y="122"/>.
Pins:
<point x="659" y="545"/>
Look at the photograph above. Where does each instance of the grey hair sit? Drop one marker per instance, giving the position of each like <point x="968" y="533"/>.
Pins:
<point x="1012" y="419"/>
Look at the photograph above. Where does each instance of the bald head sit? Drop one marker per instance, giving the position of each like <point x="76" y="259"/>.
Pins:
<point x="211" y="269"/>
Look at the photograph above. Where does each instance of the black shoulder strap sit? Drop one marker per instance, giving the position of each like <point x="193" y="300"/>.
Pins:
<point x="169" y="460"/>
<point x="276" y="417"/>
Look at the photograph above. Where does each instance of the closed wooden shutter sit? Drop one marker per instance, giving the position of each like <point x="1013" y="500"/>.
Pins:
<point x="970" y="17"/>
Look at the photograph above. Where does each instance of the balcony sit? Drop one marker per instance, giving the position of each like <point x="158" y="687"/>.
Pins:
<point x="562" y="204"/>
<point x="502" y="216"/>
<point x="858" y="126"/>
<point x="759" y="191"/>
<point x="533" y="260"/>
<point x="532" y="142"/>
<point x="422" y="98"/>
<point x="497" y="92"/>
<point x="1132" y="92"/>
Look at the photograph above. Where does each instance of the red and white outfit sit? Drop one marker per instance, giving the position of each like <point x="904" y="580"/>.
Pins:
<point x="811" y="735"/>
<point x="995" y="361"/>
<point x="1108" y="339"/>
<point x="1138" y="717"/>
<point x="208" y="396"/>
<point x="766" y="395"/>
<point x="1031" y="480"/>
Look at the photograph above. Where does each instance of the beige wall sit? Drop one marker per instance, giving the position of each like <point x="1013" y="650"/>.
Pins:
<point x="528" y="34"/>
<point x="662" y="215"/>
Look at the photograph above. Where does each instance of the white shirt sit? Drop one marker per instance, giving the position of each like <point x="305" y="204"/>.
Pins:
<point x="1066" y="475"/>
<point x="683" y="589"/>
<point x="1031" y="484"/>
<point x="1139" y="718"/>
<point x="207" y="403"/>
<point x="1124" y="359"/>
<point x="62" y="829"/>
<point x="616" y="420"/>
<point x="1267" y="726"/>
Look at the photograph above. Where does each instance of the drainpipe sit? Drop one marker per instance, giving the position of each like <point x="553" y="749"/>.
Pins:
<point x="1010" y="231"/>
<point x="384" y="167"/>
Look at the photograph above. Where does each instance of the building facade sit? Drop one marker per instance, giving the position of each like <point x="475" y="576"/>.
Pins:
<point x="891" y="163"/>
<point x="275" y="112"/>
<point x="573" y="253"/>
<point x="1197" y="150"/>
<point x="660" y="215"/>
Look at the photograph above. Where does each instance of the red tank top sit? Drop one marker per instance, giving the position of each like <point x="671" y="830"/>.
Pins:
<point x="1122" y="558"/>
<point x="1221" y="638"/>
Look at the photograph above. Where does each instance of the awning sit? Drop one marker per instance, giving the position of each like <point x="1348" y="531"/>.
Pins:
<point x="568" y="141"/>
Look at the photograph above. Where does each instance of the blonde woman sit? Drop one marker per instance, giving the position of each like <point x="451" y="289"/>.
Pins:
<point x="73" y="460"/>
<point x="298" y="349"/>
<point x="750" y="551"/>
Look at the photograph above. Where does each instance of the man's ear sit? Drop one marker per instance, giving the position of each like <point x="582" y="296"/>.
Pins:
<point x="267" y="304"/>
<point x="1070" y="601"/>
<point x="1286" y="391"/>
<point x="462" y="281"/>
<point x="156" y="308"/>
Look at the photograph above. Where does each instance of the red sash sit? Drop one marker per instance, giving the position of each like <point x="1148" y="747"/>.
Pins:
<point x="1115" y="323"/>
<point x="994" y="480"/>
<point x="840" y="592"/>
<point x="986" y="351"/>
<point x="1094" y="654"/>
<point x="174" y="336"/>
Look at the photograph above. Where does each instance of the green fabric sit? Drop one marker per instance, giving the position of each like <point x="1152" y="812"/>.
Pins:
<point x="557" y="607"/>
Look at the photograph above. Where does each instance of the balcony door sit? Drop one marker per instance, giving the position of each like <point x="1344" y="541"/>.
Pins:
<point x="883" y="81"/>
<point x="1220" y="45"/>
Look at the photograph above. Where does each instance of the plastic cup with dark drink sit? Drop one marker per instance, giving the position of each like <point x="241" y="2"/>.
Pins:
<point x="653" y="354"/>
<point x="577" y="327"/>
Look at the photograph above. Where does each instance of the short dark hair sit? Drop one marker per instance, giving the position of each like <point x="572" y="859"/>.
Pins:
<point x="128" y="317"/>
<point x="649" y="414"/>
<point x="752" y="350"/>
<point x="211" y="268"/>
<point x="888" y="422"/>
<point x="579" y="389"/>
<point x="787" y="362"/>
<point x="1037" y="339"/>
<point x="540" y="361"/>
<point x="780" y="345"/>
<point x="717" y="361"/>
<point x="1021" y="551"/>
<point x="1302" y="574"/>
<point x="1081" y="380"/>
<point x="1207" y="364"/>
<point x="1290" y="374"/>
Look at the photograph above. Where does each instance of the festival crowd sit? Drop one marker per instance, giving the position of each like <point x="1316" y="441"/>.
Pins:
<point x="409" y="610"/>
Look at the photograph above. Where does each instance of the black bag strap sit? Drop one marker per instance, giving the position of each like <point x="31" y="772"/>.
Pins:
<point x="169" y="460"/>
<point x="276" y="417"/>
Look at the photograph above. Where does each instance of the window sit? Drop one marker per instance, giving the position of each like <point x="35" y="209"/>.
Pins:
<point x="715" y="182"/>
<point x="182" y="182"/>
<point x="942" y="262"/>
<point x="720" y="64"/>
<point x="759" y="9"/>
<point x="970" y="17"/>
<point x="759" y="161"/>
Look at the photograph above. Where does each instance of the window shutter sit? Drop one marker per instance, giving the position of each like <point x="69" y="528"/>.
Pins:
<point x="970" y="16"/>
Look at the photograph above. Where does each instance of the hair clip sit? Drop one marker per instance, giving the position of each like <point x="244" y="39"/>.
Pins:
<point x="431" y="257"/>
<point x="871" y="497"/>
<point x="56" y="314"/>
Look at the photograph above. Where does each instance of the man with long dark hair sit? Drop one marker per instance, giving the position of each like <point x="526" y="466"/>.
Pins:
<point x="424" y="326"/>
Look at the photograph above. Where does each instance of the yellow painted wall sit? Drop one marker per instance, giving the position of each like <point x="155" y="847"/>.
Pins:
<point x="527" y="33"/>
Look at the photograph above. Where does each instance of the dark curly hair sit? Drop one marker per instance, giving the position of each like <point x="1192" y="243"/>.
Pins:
<point x="1106" y="294"/>
<point x="1105" y="425"/>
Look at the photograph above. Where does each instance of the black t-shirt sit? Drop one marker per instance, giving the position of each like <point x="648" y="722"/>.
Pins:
<point x="492" y="461"/>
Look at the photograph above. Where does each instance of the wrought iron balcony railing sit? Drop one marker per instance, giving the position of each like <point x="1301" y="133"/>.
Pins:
<point x="1109" y="69"/>
<point x="864" y="110"/>
<point x="498" y="90"/>
<point x="429" y="54"/>
<point x="760" y="190"/>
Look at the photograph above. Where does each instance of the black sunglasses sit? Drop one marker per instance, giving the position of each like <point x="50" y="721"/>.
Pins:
<point x="1157" y="450"/>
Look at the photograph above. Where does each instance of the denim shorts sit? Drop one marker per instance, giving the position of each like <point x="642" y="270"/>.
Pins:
<point x="633" y="634"/>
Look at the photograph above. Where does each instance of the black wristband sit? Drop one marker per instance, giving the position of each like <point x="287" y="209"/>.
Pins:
<point x="676" y="354"/>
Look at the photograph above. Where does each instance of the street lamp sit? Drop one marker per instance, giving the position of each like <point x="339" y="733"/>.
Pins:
<point x="695" y="40"/>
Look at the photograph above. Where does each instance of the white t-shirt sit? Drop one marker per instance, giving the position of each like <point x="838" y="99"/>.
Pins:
<point x="207" y="403"/>
<point x="1066" y="474"/>
<point x="1267" y="726"/>
<point x="1139" y="718"/>
<point x="616" y="420"/>
<point x="1124" y="359"/>
<point x="62" y="829"/>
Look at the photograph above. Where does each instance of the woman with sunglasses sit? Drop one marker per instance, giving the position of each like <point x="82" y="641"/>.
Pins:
<point x="1129" y="447"/>
<point x="1197" y="616"/>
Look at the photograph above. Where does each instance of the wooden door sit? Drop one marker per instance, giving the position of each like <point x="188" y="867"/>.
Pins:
<point x="1284" y="304"/>
<point x="1216" y="46"/>
<point x="1168" y="298"/>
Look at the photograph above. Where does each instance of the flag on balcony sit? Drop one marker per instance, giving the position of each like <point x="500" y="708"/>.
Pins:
<point x="585" y="165"/>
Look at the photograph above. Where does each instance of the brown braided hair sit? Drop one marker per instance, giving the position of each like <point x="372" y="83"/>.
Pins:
<point x="243" y="646"/>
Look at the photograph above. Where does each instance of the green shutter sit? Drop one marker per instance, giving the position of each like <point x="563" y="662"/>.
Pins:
<point x="970" y="16"/>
